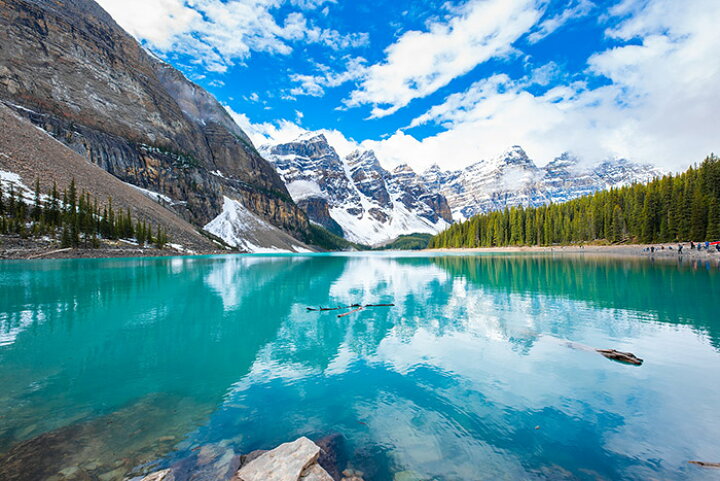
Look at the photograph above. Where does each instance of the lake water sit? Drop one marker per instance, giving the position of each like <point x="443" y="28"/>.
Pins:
<point x="481" y="371"/>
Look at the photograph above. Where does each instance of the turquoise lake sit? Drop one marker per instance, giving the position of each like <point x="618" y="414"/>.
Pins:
<point x="483" y="370"/>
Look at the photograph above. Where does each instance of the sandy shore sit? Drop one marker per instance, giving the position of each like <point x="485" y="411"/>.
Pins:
<point x="662" y="251"/>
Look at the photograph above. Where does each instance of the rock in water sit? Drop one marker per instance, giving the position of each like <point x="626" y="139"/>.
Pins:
<point x="287" y="462"/>
<point x="625" y="357"/>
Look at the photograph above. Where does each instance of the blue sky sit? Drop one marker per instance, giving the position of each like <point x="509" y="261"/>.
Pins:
<point x="454" y="82"/>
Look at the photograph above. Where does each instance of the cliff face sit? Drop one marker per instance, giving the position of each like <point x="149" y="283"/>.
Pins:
<point x="355" y="196"/>
<point x="71" y="70"/>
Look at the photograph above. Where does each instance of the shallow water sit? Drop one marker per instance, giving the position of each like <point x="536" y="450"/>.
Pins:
<point x="111" y="367"/>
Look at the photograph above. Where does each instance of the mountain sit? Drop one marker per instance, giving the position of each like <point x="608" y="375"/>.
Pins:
<point x="355" y="197"/>
<point x="513" y="179"/>
<point x="24" y="151"/>
<point x="69" y="69"/>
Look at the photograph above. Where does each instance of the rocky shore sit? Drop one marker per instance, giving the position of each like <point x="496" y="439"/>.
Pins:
<point x="299" y="460"/>
<point x="661" y="251"/>
<point x="17" y="248"/>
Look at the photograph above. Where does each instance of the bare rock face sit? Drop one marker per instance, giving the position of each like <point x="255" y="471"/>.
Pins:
<point x="287" y="462"/>
<point x="354" y="196"/>
<point x="70" y="69"/>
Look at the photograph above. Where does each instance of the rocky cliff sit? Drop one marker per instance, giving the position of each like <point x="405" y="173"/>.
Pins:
<point x="72" y="71"/>
<point x="356" y="197"/>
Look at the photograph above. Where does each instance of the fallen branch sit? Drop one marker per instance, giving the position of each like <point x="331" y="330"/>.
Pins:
<point x="624" y="357"/>
<point x="704" y="464"/>
<point x="340" y="308"/>
<point x="354" y="310"/>
<point x="332" y="308"/>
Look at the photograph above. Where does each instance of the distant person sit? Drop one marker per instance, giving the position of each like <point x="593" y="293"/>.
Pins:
<point x="652" y="249"/>
<point x="707" y="245"/>
<point x="680" y="248"/>
<point x="692" y="246"/>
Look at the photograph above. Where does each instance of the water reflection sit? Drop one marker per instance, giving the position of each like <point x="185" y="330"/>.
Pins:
<point x="468" y="377"/>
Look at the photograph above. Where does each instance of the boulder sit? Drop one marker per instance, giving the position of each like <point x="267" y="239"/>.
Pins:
<point x="287" y="462"/>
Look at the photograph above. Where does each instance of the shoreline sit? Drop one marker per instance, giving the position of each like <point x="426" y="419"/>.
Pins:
<point x="17" y="248"/>
<point x="662" y="251"/>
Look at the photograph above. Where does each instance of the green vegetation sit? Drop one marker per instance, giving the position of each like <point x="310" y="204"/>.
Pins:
<point x="672" y="208"/>
<point x="74" y="218"/>
<point x="323" y="238"/>
<point x="409" y="242"/>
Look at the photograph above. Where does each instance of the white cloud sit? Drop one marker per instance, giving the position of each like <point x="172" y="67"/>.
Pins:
<point x="659" y="107"/>
<point x="266" y="132"/>
<point x="314" y="85"/>
<point x="419" y="63"/>
<point x="581" y="8"/>
<point x="217" y="33"/>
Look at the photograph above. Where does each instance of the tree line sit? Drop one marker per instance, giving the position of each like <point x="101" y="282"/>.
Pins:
<point x="71" y="217"/>
<point x="673" y="208"/>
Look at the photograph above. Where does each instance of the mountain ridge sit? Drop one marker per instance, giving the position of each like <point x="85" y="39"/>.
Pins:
<point x="71" y="70"/>
<point x="354" y="196"/>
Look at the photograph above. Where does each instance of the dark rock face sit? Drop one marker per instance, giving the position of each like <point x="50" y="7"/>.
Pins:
<point x="367" y="174"/>
<point x="317" y="209"/>
<point x="69" y="68"/>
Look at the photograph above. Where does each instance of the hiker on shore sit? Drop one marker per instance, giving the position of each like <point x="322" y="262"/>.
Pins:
<point x="680" y="248"/>
<point x="692" y="246"/>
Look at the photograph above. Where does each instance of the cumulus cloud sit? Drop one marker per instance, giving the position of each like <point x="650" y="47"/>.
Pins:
<point x="652" y="97"/>
<point x="419" y="63"/>
<point x="315" y="85"/>
<point x="658" y="107"/>
<point x="217" y="33"/>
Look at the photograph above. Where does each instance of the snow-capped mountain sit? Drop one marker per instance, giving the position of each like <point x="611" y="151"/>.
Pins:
<point x="513" y="179"/>
<point x="355" y="197"/>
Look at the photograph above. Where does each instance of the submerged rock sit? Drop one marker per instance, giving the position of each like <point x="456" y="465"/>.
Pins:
<point x="164" y="475"/>
<point x="619" y="356"/>
<point x="332" y="454"/>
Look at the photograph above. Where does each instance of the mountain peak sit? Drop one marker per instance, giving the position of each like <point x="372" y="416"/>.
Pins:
<point x="311" y="137"/>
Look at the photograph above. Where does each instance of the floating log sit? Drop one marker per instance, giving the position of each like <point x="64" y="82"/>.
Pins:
<point x="624" y="357"/>
<point x="352" y="306"/>
<point x="332" y="308"/>
<point x="704" y="464"/>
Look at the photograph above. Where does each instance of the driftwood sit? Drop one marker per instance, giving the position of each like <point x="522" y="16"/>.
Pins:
<point x="351" y="306"/>
<point x="704" y="464"/>
<point x="332" y="308"/>
<point x="625" y="357"/>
